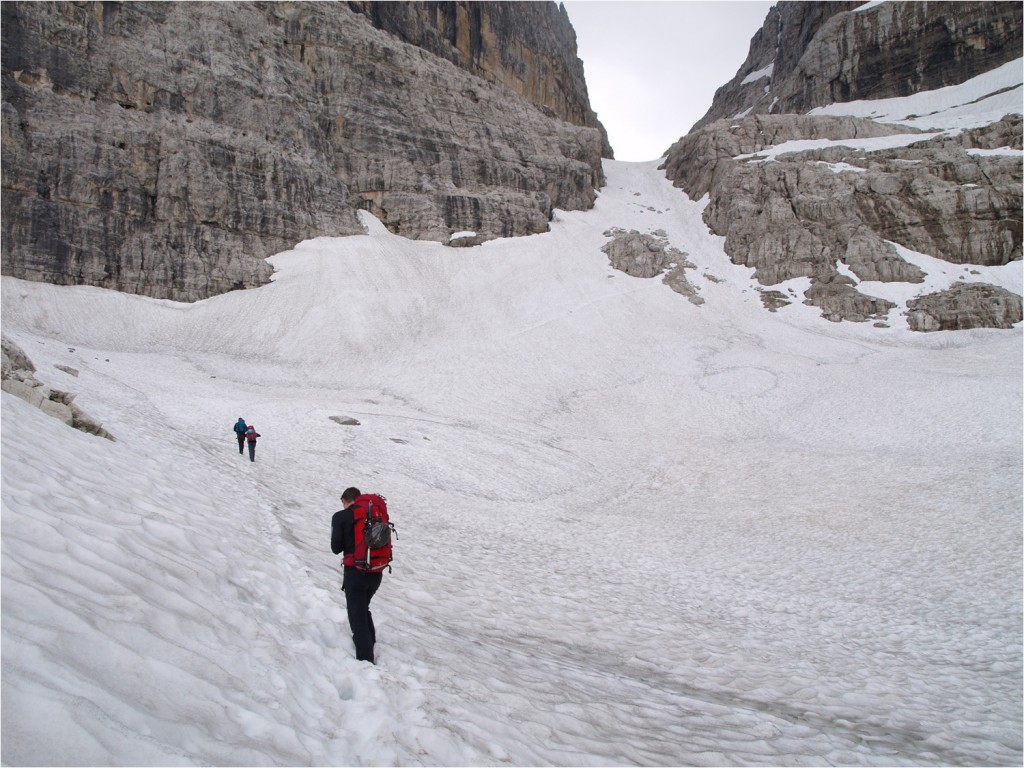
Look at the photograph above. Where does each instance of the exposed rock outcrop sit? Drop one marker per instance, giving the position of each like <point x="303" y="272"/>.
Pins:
<point x="17" y="376"/>
<point x="966" y="305"/>
<point x="836" y="212"/>
<point x="773" y="301"/>
<point x="806" y="212"/>
<point x="168" y="148"/>
<point x="643" y="255"/>
<point x="811" y="54"/>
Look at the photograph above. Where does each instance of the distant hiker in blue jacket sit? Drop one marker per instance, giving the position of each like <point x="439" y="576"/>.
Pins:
<point x="240" y="433"/>
<point x="250" y="437"/>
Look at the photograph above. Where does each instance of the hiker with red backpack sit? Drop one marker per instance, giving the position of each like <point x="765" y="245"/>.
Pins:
<point x="362" y="531"/>
<point x="250" y="437"/>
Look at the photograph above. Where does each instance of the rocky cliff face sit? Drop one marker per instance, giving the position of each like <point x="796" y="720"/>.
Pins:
<point x="168" y="148"/>
<point x="831" y="198"/>
<point x="530" y="48"/>
<point x="810" y="54"/>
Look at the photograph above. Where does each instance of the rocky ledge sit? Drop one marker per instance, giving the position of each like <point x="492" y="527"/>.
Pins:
<point x="18" y="378"/>
<point x="825" y="213"/>
<point x="967" y="305"/>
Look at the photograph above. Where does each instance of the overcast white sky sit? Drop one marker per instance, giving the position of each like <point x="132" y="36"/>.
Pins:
<point x="653" y="66"/>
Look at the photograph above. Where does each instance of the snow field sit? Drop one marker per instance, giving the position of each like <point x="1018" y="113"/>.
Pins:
<point x="630" y="530"/>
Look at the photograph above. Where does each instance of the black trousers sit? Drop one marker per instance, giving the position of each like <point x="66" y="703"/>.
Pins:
<point x="359" y="590"/>
<point x="252" y="450"/>
<point x="241" y="441"/>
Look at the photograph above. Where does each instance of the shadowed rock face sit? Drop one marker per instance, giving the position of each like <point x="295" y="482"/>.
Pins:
<point x="530" y="48"/>
<point x="810" y="54"/>
<point x="169" y="148"/>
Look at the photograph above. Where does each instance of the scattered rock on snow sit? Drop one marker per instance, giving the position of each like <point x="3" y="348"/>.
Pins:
<point x="774" y="300"/>
<point x="346" y="421"/>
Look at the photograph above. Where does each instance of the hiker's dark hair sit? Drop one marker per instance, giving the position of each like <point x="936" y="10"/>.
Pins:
<point x="351" y="494"/>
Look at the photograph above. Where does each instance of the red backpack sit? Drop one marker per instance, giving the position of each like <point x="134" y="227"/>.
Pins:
<point x="373" y="531"/>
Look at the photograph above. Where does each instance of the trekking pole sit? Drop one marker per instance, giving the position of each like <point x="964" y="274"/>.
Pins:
<point x="366" y="530"/>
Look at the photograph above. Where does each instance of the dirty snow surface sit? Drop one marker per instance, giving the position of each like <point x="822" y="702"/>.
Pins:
<point x="631" y="530"/>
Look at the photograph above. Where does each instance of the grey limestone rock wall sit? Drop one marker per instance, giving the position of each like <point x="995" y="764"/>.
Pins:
<point x="530" y="48"/>
<point x="819" y="53"/>
<point x="806" y="213"/>
<point x="826" y="213"/>
<point x="169" y="148"/>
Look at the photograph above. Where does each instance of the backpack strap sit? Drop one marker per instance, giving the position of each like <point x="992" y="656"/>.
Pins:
<point x="357" y="514"/>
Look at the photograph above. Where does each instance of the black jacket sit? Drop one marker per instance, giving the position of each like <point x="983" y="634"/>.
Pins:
<point x="343" y="540"/>
<point x="343" y="533"/>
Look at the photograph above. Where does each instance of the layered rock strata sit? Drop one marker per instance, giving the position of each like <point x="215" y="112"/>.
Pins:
<point x="169" y="148"/>
<point x="817" y="212"/>
<point x="811" y="54"/>
<point x="836" y="214"/>
<point x="530" y="48"/>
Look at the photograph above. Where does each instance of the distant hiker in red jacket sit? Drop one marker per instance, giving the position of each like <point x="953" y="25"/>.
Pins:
<point x="250" y="437"/>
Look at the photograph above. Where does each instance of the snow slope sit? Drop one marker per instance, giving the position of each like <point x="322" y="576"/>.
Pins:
<point x="977" y="102"/>
<point x="632" y="530"/>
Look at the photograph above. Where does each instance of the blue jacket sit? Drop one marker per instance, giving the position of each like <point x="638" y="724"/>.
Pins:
<point x="240" y="426"/>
